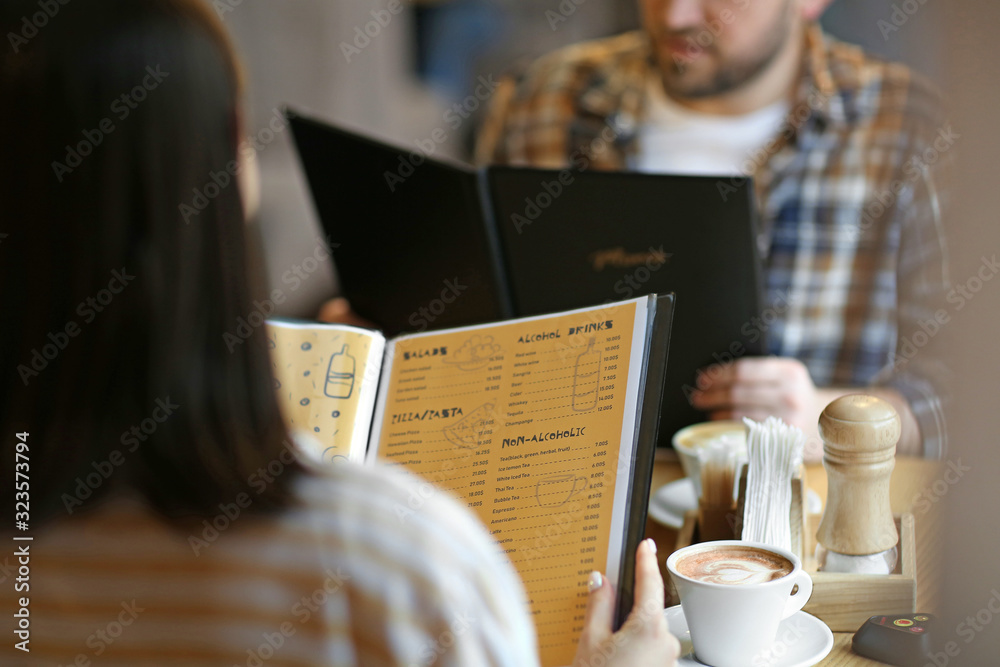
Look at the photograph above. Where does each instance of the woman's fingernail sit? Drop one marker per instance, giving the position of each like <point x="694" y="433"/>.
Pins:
<point x="595" y="581"/>
<point x="652" y="544"/>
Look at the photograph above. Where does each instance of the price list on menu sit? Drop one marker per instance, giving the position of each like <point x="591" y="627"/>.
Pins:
<point x="525" y="422"/>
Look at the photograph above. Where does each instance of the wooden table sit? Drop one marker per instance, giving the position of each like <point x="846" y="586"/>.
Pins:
<point x="912" y="490"/>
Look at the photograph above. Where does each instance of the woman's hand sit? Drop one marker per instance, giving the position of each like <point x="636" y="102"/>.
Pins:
<point x="644" y="639"/>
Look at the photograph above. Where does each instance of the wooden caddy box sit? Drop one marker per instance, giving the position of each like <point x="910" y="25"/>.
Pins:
<point x="842" y="601"/>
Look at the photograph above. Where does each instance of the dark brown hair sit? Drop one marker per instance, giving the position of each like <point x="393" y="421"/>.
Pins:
<point x="114" y="306"/>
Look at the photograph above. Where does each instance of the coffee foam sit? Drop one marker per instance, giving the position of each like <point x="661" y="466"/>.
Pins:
<point x="697" y="436"/>
<point x="734" y="566"/>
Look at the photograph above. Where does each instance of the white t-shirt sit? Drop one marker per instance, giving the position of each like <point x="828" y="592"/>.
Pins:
<point x="676" y="140"/>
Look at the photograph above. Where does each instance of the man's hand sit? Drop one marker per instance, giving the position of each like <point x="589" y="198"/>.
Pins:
<point x="644" y="639"/>
<point x="759" y="387"/>
<point x="338" y="311"/>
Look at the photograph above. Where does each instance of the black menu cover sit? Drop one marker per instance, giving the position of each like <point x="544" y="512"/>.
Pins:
<point x="614" y="235"/>
<point x="427" y="244"/>
<point x="411" y="247"/>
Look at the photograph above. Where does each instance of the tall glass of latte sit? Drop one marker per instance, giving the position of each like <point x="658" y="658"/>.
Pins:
<point x="734" y="595"/>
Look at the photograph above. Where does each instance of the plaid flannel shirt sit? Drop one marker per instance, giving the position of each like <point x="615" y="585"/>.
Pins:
<point x="850" y="194"/>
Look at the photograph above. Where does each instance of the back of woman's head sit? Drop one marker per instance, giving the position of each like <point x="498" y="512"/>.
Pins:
<point x="122" y="269"/>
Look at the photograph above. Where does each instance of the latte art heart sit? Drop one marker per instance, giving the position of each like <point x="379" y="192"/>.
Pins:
<point x="740" y="572"/>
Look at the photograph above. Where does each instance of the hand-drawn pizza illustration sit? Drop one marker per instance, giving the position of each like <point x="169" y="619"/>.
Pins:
<point x="474" y="353"/>
<point x="469" y="431"/>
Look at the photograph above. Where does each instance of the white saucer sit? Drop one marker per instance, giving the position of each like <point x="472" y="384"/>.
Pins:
<point x="669" y="503"/>
<point x="803" y="640"/>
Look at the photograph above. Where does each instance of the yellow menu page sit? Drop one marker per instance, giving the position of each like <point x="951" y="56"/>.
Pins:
<point x="326" y="377"/>
<point x="532" y="424"/>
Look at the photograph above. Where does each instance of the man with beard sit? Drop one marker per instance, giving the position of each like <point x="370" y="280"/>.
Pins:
<point x="847" y="154"/>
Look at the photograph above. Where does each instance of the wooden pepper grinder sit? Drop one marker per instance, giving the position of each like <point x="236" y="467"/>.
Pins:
<point x="857" y="533"/>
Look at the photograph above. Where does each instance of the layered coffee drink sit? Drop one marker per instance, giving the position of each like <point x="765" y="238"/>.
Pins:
<point x="734" y="565"/>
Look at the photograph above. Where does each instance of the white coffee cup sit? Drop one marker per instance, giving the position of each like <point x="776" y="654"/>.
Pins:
<point x="732" y="624"/>
<point x="689" y="439"/>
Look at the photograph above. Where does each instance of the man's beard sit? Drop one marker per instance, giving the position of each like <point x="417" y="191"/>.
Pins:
<point x="730" y="75"/>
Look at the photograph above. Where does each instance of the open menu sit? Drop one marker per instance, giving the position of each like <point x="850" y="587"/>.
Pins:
<point x="545" y="426"/>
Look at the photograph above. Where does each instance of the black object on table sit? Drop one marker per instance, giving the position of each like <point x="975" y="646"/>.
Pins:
<point x="897" y="640"/>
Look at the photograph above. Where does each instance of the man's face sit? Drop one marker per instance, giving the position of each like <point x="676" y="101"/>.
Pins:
<point x="706" y="48"/>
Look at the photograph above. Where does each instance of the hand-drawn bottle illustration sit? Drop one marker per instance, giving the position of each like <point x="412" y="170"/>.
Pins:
<point x="340" y="375"/>
<point x="585" y="376"/>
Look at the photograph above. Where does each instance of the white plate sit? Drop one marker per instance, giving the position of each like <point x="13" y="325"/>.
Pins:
<point x="803" y="640"/>
<point x="669" y="503"/>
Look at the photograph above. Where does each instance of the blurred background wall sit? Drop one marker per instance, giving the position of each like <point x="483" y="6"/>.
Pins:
<point x="313" y="55"/>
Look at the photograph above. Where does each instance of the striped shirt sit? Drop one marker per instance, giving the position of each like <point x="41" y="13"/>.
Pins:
<point x="850" y="190"/>
<point x="371" y="568"/>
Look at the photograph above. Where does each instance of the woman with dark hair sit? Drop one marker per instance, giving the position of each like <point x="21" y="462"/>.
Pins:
<point x="170" y="519"/>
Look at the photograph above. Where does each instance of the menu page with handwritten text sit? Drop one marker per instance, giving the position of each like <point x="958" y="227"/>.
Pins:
<point x="532" y="423"/>
<point x="326" y="377"/>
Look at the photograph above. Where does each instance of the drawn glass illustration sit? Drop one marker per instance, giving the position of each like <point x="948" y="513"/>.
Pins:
<point x="556" y="490"/>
